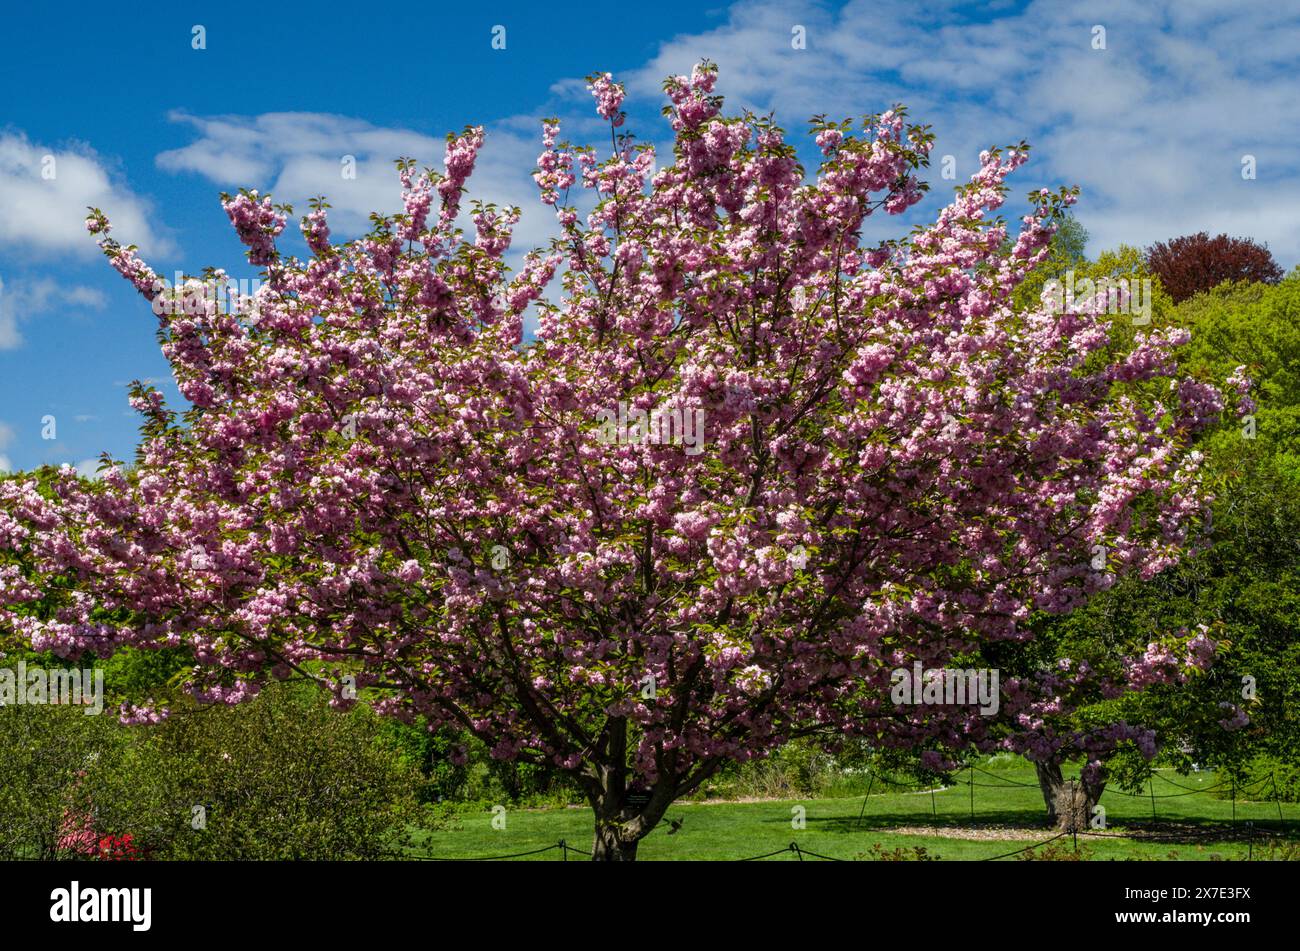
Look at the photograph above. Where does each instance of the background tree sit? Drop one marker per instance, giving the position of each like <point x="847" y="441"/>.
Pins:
<point x="282" y="777"/>
<point x="44" y="755"/>
<point x="1246" y="582"/>
<point x="1196" y="263"/>
<point x="1240" y="587"/>
<point x="1067" y="251"/>
<point x="379" y="487"/>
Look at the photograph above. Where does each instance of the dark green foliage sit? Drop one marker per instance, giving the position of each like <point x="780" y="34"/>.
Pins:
<point x="45" y="753"/>
<point x="1245" y="585"/>
<point x="283" y="776"/>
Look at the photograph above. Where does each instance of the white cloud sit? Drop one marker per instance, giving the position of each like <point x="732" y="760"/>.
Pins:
<point x="1153" y="128"/>
<point x="299" y="155"/>
<point x="87" y="469"/>
<point x="21" y="299"/>
<point x="6" y="437"/>
<point x="44" y="193"/>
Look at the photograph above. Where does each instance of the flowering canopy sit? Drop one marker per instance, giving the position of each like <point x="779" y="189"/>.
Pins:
<point x="381" y="479"/>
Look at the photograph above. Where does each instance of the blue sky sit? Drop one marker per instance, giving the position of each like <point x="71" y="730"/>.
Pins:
<point x="1154" y="127"/>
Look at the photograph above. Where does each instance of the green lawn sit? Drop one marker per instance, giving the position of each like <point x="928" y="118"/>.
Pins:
<point x="1190" y="824"/>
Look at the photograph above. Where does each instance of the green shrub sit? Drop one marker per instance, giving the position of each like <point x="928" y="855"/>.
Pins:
<point x="46" y="752"/>
<point x="478" y="779"/>
<point x="283" y="776"/>
<point x="800" y="769"/>
<point x="1263" y="779"/>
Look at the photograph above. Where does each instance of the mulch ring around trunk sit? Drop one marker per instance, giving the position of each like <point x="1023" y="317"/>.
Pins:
<point x="980" y="834"/>
<point x="1165" y="831"/>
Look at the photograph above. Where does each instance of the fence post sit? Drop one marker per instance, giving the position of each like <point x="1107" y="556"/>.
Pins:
<point x="1151" y="784"/>
<point x="1278" y="799"/>
<point x="794" y="847"/>
<point x="1234" y="799"/>
<point x="1250" y="841"/>
<point x="972" y="793"/>
<point x="870" y="784"/>
<point x="564" y="850"/>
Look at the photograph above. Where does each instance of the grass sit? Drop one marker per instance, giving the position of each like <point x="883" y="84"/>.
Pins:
<point x="1190" y="824"/>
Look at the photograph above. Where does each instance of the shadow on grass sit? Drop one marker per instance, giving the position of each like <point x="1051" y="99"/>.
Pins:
<point x="1176" y="831"/>
<point x="882" y="821"/>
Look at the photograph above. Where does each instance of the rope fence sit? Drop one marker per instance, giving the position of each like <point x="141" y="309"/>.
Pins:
<point x="1007" y="783"/>
<point x="565" y="849"/>
<point x="800" y="852"/>
<point x="562" y="845"/>
<point x="1183" y="836"/>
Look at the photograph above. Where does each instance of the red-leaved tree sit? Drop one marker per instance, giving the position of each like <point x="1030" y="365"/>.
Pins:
<point x="1195" y="263"/>
<point x="748" y="466"/>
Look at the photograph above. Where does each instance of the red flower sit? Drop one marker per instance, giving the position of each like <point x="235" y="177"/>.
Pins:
<point x="118" y="848"/>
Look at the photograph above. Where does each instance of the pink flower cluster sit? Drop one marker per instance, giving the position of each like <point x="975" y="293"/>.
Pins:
<point x="257" y="223"/>
<point x="609" y="98"/>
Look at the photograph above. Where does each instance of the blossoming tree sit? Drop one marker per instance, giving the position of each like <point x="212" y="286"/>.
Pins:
<point x="383" y="486"/>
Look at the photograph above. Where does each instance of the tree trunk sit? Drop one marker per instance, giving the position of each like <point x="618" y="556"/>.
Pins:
<point x="619" y="825"/>
<point x="1069" y="802"/>
<point x="1092" y="791"/>
<point x="1050" y="782"/>
<point x="626" y="816"/>
<point x="611" y="846"/>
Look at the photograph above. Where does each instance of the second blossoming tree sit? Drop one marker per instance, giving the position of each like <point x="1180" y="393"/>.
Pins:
<point x="386" y="486"/>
